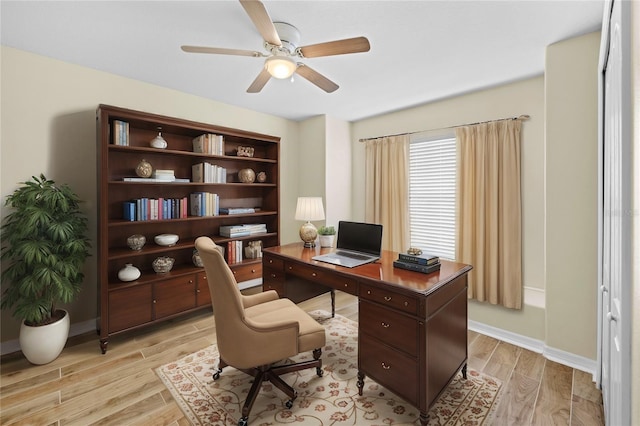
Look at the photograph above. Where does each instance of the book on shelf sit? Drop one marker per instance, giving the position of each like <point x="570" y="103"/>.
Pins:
<point x="233" y="231"/>
<point x="204" y="204"/>
<point x="208" y="173"/>
<point x="237" y="210"/>
<point x="234" y="252"/>
<point x="120" y="133"/>
<point x="209" y="143"/>
<point x="164" y="175"/>
<point x="421" y="259"/>
<point x="425" y="269"/>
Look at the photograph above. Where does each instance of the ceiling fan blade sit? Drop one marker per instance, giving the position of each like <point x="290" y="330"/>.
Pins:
<point x="316" y="78"/>
<point x="221" y="51"/>
<point x="338" y="47"/>
<point x="259" y="82"/>
<point x="261" y="19"/>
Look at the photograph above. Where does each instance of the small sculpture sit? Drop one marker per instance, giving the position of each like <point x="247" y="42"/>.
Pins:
<point x="144" y="169"/>
<point x="262" y="177"/>
<point x="245" y="151"/>
<point x="247" y="175"/>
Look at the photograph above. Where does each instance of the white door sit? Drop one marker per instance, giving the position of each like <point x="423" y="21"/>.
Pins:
<point x="616" y="215"/>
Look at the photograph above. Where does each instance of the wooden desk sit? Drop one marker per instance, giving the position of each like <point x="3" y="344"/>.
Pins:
<point x="412" y="327"/>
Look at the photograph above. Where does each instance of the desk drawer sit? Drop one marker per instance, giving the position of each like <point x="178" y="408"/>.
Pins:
<point x="389" y="298"/>
<point x="310" y="273"/>
<point x="273" y="279"/>
<point x="273" y="263"/>
<point x="388" y="367"/>
<point x="338" y="282"/>
<point x="393" y="328"/>
<point x="247" y="272"/>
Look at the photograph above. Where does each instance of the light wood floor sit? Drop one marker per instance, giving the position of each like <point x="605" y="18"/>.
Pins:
<point x="83" y="387"/>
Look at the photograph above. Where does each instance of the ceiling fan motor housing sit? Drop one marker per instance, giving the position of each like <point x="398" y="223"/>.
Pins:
<point x="289" y="35"/>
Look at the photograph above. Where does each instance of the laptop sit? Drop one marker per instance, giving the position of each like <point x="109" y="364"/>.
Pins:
<point x="358" y="243"/>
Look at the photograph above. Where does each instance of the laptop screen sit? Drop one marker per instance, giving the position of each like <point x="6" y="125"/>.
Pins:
<point x="362" y="237"/>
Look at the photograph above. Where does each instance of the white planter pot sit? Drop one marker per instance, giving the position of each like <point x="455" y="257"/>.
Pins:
<point x="41" y="345"/>
<point x="326" y="240"/>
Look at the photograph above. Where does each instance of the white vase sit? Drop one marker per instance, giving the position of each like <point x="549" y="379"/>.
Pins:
<point x="128" y="273"/>
<point x="43" y="344"/>
<point x="326" y="240"/>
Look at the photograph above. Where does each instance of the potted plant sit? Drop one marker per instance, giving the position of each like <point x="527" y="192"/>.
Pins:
<point x="44" y="245"/>
<point x="327" y="235"/>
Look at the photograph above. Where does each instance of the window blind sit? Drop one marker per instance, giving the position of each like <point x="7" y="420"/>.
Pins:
<point x="432" y="191"/>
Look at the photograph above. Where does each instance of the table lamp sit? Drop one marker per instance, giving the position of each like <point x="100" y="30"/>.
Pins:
<point x="308" y="209"/>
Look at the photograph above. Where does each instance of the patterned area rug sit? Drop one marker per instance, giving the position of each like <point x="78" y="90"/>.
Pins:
<point x="329" y="400"/>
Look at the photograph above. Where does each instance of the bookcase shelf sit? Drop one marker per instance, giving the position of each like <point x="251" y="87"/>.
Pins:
<point x="125" y="306"/>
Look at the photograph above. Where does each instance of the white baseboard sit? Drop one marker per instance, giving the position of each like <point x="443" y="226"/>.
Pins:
<point x="76" y="329"/>
<point x="565" y="358"/>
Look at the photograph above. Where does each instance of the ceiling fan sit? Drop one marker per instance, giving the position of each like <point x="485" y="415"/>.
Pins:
<point x="281" y="42"/>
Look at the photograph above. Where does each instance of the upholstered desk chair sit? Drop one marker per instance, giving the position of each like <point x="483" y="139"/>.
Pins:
<point x="257" y="331"/>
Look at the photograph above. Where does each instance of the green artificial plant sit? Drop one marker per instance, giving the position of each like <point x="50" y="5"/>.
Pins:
<point x="45" y="244"/>
<point x="327" y="230"/>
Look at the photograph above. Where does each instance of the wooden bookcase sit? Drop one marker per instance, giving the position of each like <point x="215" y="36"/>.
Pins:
<point x="124" y="306"/>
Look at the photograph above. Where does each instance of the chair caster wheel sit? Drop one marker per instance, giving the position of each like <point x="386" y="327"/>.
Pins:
<point x="216" y="375"/>
<point x="289" y="403"/>
<point x="319" y="372"/>
<point x="243" y="421"/>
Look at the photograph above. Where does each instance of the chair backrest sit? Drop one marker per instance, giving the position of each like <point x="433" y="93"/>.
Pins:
<point x="228" y="309"/>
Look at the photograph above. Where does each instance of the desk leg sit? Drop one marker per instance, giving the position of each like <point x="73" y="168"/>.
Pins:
<point x="424" y="418"/>
<point x="333" y="303"/>
<point x="360" y="382"/>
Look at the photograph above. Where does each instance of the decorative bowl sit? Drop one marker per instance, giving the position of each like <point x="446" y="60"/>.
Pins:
<point x="136" y="242"/>
<point x="166" y="239"/>
<point x="163" y="264"/>
<point x="247" y="175"/>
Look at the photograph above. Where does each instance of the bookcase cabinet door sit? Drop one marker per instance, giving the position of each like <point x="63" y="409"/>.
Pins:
<point x="130" y="307"/>
<point x="174" y="296"/>
<point x="203" y="296"/>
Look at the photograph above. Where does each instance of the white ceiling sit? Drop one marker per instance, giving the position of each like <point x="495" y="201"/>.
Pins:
<point x="420" y="50"/>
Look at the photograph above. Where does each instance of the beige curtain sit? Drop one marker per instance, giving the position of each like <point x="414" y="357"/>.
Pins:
<point x="489" y="233"/>
<point x="387" y="189"/>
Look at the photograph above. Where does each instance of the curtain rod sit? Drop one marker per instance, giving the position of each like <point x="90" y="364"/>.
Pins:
<point x="522" y="117"/>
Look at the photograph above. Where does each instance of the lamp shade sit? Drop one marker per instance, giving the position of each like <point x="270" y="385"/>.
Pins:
<point x="280" y="66"/>
<point x="309" y="208"/>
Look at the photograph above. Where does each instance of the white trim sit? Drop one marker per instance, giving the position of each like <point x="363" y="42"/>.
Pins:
<point x="534" y="297"/>
<point x="565" y="358"/>
<point x="250" y="283"/>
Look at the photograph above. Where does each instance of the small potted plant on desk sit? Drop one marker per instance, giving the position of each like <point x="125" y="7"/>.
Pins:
<point x="44" y="245"/>
<point x="327" y="235"/>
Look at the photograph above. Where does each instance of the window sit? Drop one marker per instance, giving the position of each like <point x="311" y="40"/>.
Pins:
<point x="432" y="193"/>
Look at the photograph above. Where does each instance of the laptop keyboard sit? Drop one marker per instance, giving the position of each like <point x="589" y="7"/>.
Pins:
<point x="353" y="255"/>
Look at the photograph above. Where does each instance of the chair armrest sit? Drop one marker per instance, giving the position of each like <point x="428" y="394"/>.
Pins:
<point x="258" y="298"/>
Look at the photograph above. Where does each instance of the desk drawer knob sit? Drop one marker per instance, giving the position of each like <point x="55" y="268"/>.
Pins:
<point x="385" y="325"/>
<point x="387" y="298"/>
<point x="313" y="274"/>
<point x="270" y="261"/>
<point x="406" y="303"/>
<point x="385" y="366"/>
<point x="253" y="271"/>
<point x="273" y="275"/>
<point x="346" y="285"/>
<point x="290" y="268"/>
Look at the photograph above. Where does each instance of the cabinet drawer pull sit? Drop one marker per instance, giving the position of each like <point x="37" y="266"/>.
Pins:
<point x="385" y="366"/>
<point x="385" y="325"/>
<point x="273" y="275"/>
<point x="313" y="274"/>
<point x="290" y="268"/>
<point x="387" y="298"/>
<point x="368" y="291"/>
<point x="346" y="285"/>
<point x="155" y="301"/>
<point x="198" y="291"/>
<point x="204" y="277"/>
<point x="406" y="303"/>
<point x="270" y="261"/>
<point x="190" y="281"/>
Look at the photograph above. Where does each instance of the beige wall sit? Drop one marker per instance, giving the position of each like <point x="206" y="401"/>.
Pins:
<point x="48" y="126"/>
<point x="571" y="201"/>
<point x="523" y="97"/>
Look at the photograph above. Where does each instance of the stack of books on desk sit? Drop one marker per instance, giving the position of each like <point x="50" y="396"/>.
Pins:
<point x="425" y="263"/>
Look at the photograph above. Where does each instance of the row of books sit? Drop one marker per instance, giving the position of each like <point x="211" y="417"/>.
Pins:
<point x="209" y="143"/>
<point x="154" y="209"/>
<point x="204" y="204"/>
<point x="234" y="231"/>
<point x="425" y="263"/>
<point x="234" y="252"/>
<point x="208" y="173"/>
<point x="120" y="132"/>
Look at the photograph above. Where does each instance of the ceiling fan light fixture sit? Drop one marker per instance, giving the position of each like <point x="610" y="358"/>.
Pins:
<point x="280" y="66"/>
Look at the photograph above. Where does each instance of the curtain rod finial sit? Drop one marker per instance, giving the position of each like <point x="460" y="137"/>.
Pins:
<point x="524" y="117"/>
